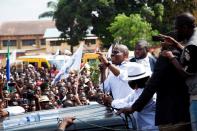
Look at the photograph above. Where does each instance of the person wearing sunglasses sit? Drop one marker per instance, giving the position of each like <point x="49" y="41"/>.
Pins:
<point x="115" y="82"/>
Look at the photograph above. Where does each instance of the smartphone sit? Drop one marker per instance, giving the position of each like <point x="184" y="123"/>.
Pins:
<point x="157" y="38"/>
<point x="11" y="84"/>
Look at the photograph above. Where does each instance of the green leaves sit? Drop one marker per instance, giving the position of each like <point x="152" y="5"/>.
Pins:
<point x="73" y="19"/>
<point x="129" y="29"/>
<point x="95" y="72"/>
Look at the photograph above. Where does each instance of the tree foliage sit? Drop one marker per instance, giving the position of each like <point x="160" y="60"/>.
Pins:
<point x="129" y="29"/>
<point x="95" y="72"/>
<point x="106" y="13"/>
<point x="73" y="17"/>
<point x="171" y="9"/>
<point x="52" y="5"/>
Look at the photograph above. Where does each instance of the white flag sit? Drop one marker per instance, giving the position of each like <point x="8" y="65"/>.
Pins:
<point x="57" y="52"/>
<point x="73" y="63"/>
<point x="13" y="57"/>
<point x="108" y="55"/>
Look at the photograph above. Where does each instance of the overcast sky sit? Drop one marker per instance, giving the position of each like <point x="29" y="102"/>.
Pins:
<point x="19" y="10"/>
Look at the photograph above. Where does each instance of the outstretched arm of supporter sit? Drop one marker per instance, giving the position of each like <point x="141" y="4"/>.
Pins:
<point x="144" y="98"/>
<point x="66" y="122"/>
<point x="38" y="107"/>
<point x="77" y="100"/>
<point x="18" y="89"/>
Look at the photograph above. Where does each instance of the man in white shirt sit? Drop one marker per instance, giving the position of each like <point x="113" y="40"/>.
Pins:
<point x="11" y="110"/>
<point x="137" y="77"/>
<point x="142" y="56"/>
<point x="116" y="82"/>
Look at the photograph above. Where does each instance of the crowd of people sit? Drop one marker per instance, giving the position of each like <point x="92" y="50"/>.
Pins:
<point x="161" y="93"/>
<point x="32" y="89"/>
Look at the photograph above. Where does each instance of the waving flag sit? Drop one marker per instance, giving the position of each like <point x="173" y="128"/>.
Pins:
<point x="57" y="52"/>
<point x="8" y="64"/>
<point x="108" y="55"/>
<point x="72" y="64"/>
<point x="13" y="57"/>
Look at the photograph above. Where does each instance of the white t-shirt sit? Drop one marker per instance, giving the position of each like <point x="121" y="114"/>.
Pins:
<point x="146" y="63"/>
<point x="14" y="110"/>
<point x="144" y="119"/>
<point x="118" y="85"/>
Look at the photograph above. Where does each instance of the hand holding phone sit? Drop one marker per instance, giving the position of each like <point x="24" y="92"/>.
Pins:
<point x="11" y="84"/>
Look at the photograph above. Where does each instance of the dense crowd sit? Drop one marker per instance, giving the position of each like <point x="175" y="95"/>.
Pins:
<point x="32" y="89"/>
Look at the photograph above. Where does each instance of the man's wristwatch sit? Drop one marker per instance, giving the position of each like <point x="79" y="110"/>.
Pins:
<point x="108" y="64"/>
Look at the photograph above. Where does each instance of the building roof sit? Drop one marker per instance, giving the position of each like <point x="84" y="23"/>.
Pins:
<point x="25" y="27"/>
<point x="55" y="33"/>
<point x="52" y="33"/>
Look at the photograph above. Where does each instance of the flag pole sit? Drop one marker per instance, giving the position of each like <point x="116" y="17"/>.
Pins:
<point x="8" y="62"/>
<point x="8" y="66"/>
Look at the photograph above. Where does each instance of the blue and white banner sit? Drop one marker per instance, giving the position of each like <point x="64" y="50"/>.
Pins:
<point x="73" y="63"/>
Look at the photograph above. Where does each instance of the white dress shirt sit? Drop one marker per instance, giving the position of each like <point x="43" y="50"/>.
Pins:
<point x="146" y="63"/>
<point x="118" y="85"/>
<point x="146" y="118"/>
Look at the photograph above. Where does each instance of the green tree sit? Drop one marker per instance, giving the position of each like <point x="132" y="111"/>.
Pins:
<point x="106" y="14"/>
<point x="153" y="14"/>
<point x="171" y="9"/>
<point x="72" y="19"/>
<point x="95" y="72"/>
<point x="129" y="29"/>
<point x="52" y="5"/>
<point x="151" y="11"/>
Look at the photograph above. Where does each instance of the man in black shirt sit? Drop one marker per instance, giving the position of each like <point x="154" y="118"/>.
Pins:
<point x="187" y="67"/>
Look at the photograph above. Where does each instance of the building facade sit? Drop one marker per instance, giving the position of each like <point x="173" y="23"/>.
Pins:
<point x="34" y="37"/>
